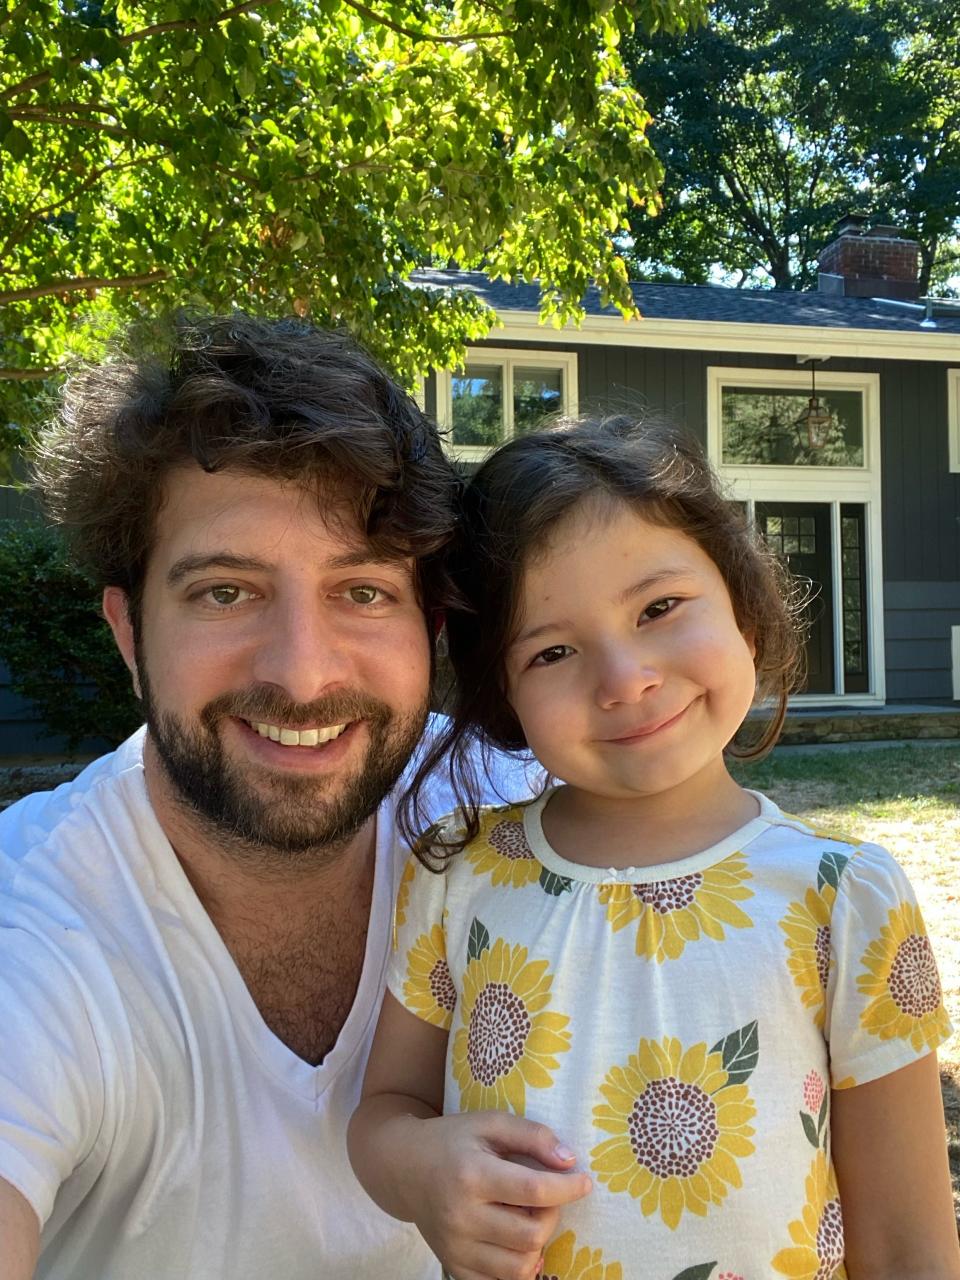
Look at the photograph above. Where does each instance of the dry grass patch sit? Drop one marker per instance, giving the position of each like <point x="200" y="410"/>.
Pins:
<point x="907" y="799"/>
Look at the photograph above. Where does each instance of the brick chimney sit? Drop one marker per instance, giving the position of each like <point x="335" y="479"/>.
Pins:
<point x="872" y="262"/>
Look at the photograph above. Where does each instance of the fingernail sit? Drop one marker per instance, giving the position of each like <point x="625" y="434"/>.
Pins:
<point x="563" y="1152"/>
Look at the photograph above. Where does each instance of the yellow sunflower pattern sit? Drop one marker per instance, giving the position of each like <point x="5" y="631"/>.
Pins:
<point x="403" y="899"/>
<point x="900" y="975"/>
<point x="564" y="1260"/>
<point x="817" y="1249"/>
<point x="680" y="1120"/>
<point x="428" y="990"/>
<point x="807" y="929"/>
<point x="501" y="851"/>
<point x="509" y="1038"/>
<point x="671" y="913"/>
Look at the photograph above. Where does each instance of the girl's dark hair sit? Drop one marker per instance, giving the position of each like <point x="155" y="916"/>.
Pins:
<point x="279" y="399"/>
<point x="516" y="498"/>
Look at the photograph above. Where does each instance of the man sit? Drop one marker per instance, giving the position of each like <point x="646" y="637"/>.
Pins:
<point x="193" y="934"/>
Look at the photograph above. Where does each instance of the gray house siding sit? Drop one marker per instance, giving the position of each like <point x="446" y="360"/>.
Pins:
<point x="920" y="496"/>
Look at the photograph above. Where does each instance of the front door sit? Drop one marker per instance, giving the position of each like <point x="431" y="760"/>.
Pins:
<point x="800" y="534"/>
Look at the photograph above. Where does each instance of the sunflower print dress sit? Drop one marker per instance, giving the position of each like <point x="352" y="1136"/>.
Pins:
<point x="680" y="1026"/>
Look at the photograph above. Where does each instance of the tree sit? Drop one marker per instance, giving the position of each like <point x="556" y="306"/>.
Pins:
<point x="308" y="155"/>
<point x="781" y="116"/>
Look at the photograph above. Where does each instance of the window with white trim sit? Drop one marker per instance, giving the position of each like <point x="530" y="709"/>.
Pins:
<point x="953" y="417"/>
<point x="499" y="394"/>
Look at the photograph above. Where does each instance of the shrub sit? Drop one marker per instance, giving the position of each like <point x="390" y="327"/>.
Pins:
<point x="53" y="639"/>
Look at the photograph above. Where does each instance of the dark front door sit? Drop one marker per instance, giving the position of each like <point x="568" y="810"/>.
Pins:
<point x="799" y="532"/>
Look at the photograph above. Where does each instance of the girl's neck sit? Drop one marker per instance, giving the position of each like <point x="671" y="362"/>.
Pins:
<point x="640" y="831"/>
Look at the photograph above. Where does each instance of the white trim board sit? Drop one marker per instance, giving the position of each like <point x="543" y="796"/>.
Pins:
<point x="727" y="335"/>
<point x="832" y="485"/>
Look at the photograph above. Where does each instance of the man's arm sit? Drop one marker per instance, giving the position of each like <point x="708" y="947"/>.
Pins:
<point x="19" y="1235"/>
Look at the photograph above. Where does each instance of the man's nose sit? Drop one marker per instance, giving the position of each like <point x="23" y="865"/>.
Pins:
<point x="302" y="650"/>
<point x="625" y="673"/>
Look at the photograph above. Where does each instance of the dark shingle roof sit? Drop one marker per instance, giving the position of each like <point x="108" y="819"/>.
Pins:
<point x="711" y="303"/>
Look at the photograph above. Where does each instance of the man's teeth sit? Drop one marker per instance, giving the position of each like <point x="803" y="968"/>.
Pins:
<point x="298" y="737"/>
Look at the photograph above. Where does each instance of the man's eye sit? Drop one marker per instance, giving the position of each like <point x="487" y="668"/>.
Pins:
<point x="556" y="653"/>
<point x="227" y="595"/>
<point x="364" y="594"/>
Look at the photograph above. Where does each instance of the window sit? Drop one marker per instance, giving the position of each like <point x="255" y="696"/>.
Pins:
<point x="757" y="418"/>
<point x="499" y="394"/>
<point x="953" y="417"/>
<point x="766" y="426"/>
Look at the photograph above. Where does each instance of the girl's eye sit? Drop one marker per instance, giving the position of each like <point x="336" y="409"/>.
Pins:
<point x="658" y="608"/>
<point x="549" y="657"/>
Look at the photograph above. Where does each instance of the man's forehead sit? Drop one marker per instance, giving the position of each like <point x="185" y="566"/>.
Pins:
<point x="248" y="513"/>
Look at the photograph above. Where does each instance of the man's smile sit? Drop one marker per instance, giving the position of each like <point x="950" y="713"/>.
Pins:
<point x="288" y="737"/>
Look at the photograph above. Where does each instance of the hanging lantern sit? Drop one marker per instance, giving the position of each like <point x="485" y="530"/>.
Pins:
<point x="817" y="419"/>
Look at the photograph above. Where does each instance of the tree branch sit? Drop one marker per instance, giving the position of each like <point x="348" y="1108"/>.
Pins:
<point x="30" y="216"/>
<point x="427" y="36"/>
<point x="26" y="375"/>
<point x="182" y="24"/>
<point x="39" y="115"/>
<point x="77" y="283"/>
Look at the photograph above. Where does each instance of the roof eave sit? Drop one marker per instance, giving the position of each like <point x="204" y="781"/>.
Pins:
<point x="728" y="335"/>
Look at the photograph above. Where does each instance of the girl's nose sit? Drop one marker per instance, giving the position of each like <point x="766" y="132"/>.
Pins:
<point x="625" y="675"/>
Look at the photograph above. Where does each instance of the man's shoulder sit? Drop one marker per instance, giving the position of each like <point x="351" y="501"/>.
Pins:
<point x="503" y="776"/>
<point x="35" y="819"/>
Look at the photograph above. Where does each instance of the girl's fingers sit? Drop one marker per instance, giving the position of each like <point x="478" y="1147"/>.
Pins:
<point x="512" y="1184"/>
<point x="520" y="1230"/>
<point x="513" y="1136"/>
<point x="490" y="1262"/>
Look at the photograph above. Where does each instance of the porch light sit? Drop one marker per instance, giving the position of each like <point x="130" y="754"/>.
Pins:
<point x="816" y="417"/>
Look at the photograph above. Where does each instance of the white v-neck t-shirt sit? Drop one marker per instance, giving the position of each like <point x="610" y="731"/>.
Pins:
<point x="153" y="1121"/>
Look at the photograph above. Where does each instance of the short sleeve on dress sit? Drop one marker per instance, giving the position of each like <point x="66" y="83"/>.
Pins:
<point x="884" y="1000"/>
<point x="417" y="974"/>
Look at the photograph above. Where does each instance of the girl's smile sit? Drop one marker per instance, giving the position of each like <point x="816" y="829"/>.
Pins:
<point x="629" y="673"/>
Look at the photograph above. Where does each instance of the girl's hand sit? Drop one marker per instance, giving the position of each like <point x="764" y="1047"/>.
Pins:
<point x="487" y="1192"/>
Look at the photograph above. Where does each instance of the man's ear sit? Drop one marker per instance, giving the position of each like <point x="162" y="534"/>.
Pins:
<point x="116" y="610"/>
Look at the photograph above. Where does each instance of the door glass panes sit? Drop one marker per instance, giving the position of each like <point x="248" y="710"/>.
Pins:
<point x="853" y="570"/>
<point x="536" y="393"/>
<point x="764" y="427"/>
<point x="478" y="405"/>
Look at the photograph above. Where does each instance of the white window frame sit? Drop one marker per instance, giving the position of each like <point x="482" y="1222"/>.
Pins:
<point x="832" y="485"/>
<point x="507" y="359"/>
<point x="953" y="417"/>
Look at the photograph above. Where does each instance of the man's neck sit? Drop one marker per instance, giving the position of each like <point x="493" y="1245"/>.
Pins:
<point x="295" y="927"/>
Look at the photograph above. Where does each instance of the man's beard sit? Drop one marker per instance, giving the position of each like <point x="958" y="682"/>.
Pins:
<point x="265" y="810"/>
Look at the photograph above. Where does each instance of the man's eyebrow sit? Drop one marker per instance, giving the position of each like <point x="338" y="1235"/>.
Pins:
<point x="226" y="560"/>
<point x="187" y="565"/>
<point x="635" y="589"/>
<point x="365" y="556"/>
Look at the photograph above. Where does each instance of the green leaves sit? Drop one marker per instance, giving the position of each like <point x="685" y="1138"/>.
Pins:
<point x="777" y="118"/>
<point x="478" y="941"/>
<point x="831" y="869"/>
<point x="554" y="884"/>
<point x="740" y="1052"/>
<point x="311" y="157"/>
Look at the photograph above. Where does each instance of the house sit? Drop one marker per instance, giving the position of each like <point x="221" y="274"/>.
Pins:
<point x="862" y="497"/>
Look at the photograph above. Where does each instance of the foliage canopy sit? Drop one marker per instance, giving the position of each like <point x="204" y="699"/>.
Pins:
<point x="307" y="155"/>
<point x="780" y="116"/>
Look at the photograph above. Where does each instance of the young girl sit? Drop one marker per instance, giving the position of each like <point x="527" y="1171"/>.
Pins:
<point x="647" y="1026"/>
